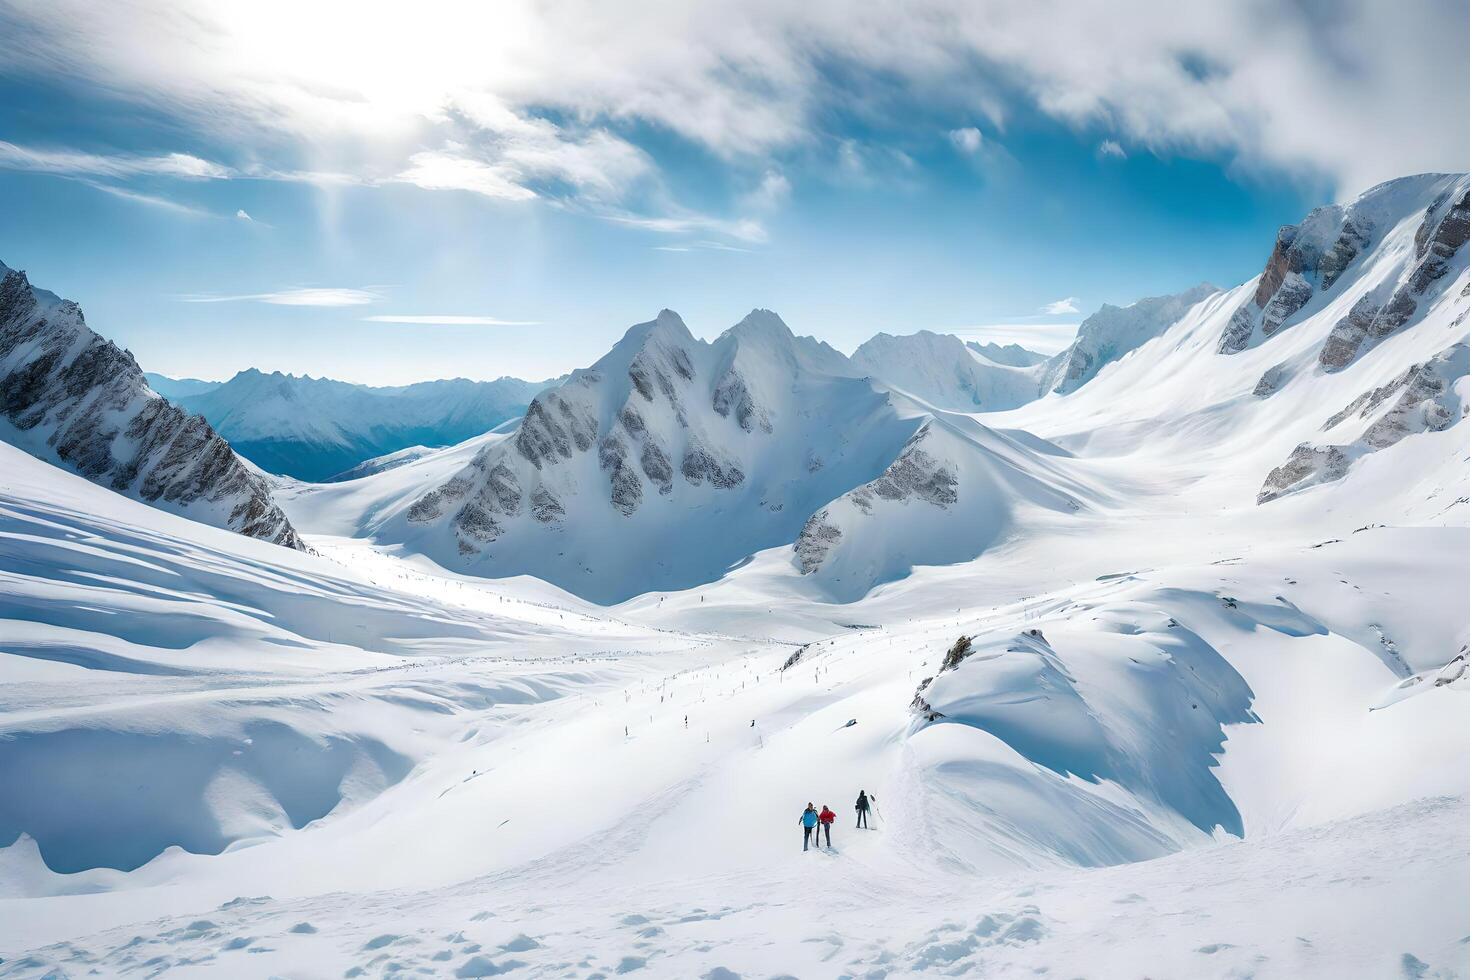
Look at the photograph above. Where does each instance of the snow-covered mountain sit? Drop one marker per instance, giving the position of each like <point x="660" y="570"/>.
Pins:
<point x="671" y="459"/>
<point x="1114" y="331"/>
<point x="944" y="371"/>
<point x="1011" y="355"/>
<point x="1149" y="692"/>
<point x="175" y="388"/>
<point x="73" y="398"/>
<point x="317" y="428"/>
<point x="382" y="464"/>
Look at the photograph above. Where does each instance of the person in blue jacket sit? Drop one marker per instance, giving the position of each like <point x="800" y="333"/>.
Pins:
<point x="808" y="825"/>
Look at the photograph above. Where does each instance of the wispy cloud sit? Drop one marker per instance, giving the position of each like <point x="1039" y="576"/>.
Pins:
<point x="1112" y="148"/>
<point x="966" y="139"/>
<point x="449" y="320"/>
<point x="438" y="171"/>
<point x="1061" y="307"/>
<point x="701" y="247"/>
<point x="151" y="200"/>
<point x="742" y="229"/>
<point x="303" y="296"/>
<point x="74" y="163"/>
<point x="772" y="192"/>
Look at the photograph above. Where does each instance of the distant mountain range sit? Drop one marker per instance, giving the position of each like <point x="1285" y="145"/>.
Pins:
<point x="315" y="428"/>
<point x="76" y="400"/>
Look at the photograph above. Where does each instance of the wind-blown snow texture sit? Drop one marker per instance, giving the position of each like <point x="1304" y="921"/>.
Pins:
<point x="74" y="398"/>
<point x="317" y="429"/>
<point x="1185" y="733"/>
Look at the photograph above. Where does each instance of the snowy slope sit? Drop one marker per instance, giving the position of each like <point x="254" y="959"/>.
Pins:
<point x="381" y="464"/>
<point x="670" y="460"/>
<point x="1282" y="414"/>
<point x="316" y="428"/>
<point x="942" y="370"/>
<point x="1113" y="332"/>
<point x="1188" y="734"/>
<point x="71" y="397"/>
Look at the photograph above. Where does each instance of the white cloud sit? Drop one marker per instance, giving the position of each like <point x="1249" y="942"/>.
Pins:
<point x="1061" y="307"/>
<point x="701" y="246"/>
<point x="1355" y="92"/>
<point x="449" y="320"/>
<point x="243" y="216"/>
<point x="74" y="163"/>
<point x="1111" y="148"/>
<point x="441" y="171"/>
<point x="742" y="229"/>
<point x="303" y="296"/>
<point x="772" y="192"/>
<point x="150" y="200"/>
<point x="967" y="139"/>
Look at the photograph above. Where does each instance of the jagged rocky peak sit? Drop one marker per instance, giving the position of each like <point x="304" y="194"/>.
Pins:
<point x="1114" y="331"/>
<point x="1307" y="257"/>
<point x="1424" y="398"/>
<point x="80" y="401"/>
<point x="1438" y="242"/>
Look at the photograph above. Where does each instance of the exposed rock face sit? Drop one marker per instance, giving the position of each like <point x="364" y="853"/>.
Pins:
<point x="1271" y="381"/>
<point x="1421" y="399"/>
<point x="914" y="474"/>
<point x="1443" y="231"/>
<point x="1307" y="258"/>
<point x="1306" y="466"/>
<point x="663" y="415"/>
<point x="818" y="537"/>
<point x="79" y="400"/>
<point x="1114" y="331"/>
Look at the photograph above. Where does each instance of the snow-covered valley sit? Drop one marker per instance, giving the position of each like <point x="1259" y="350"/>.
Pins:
<point x="539" y="704"/>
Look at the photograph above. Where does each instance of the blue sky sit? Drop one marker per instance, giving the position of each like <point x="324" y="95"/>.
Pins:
<point x="354" y="195"/>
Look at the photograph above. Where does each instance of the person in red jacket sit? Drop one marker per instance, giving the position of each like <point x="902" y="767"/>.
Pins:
<point x="826" y="817"/>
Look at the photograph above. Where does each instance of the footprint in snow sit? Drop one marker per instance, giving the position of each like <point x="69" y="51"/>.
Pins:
<point x="304" y="929"/>
<point x="630" y="963"/>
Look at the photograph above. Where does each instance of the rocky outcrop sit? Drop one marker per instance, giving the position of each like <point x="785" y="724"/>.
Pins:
<point x="80" y="401"/>
<point x="1308" y="258"/>
<point x="914" y="474"/>
<point x="817" y="539"/>
<point x="1271" y="381"/>
<point x="1443" y="231"/>
<point x="1307" y="466"/>
<point x="1421" y="399"/>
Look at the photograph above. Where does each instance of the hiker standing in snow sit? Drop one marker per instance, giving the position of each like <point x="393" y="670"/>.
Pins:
<point x="808" y="824"/>
<point x="826" y="817"/>
<point x="862" y="808"/>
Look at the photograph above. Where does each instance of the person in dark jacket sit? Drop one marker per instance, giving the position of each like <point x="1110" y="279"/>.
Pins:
<point x="825" y="818"/>
<point x="862" y="808"/>
<point x="808" y="824"/>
